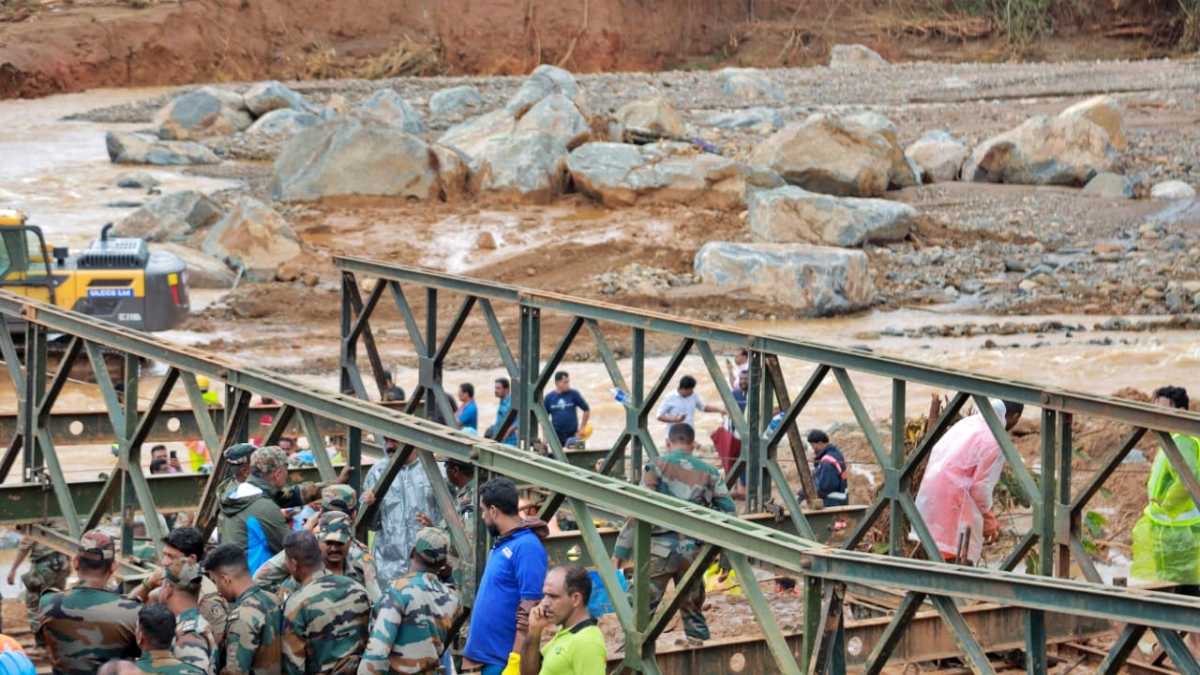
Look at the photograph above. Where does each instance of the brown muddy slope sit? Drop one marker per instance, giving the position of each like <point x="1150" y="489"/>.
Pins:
<point x="52" y="46"/>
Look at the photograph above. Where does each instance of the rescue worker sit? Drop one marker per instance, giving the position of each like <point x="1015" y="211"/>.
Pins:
<point x="685" y="477"/>
<point x="829" y="470"/>
<point x="194" y="644"/>
<point x="252" y="643"/>
<point x="327" y="620"/>
<point x="155" y="630"/>
<point x="48" y="571"/>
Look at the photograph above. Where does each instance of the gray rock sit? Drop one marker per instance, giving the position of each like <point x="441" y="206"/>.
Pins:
<point x="454" y="99"/>
<point x="130" y="148"/>
<point x="618" y="174"/>
<point x="202" y="113"/>
<point x="263" y="97"/>
<point x="542" y="82"/>
<point x="1043" y="151"/>
<point x="656" y="114"/>
<point x="938" y="156"/>
<point x="558" y="116"/>
<point x="531" y="166"/>
<point x="1172" y="189"/>
<point x="793" y="215"/>
<point x="810" y="280"/>
<point x="125" y="204"/>
<point x="252" y="236"/>
<point x="1109" y="186"/>
<point x="903" y="172"/>
<point x="748" y="84"/>
<point x="136" y="180"/>
<point x="204" y="271"/>
<point x="171" y="217"/>
<point x="283" y="122"/>
<point x="747" y="117"/>
<point x="352" y="156"/>
<point x="828" y="155"/>
<point x="389" y="107"/>
<point x="855" y="57"/>
<point x="474" y="135"/>
<point x="1104" y="112"/>
<point x="1182" y="215"/>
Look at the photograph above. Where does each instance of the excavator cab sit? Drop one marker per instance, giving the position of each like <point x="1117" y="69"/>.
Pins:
<point x="116" y="279"/>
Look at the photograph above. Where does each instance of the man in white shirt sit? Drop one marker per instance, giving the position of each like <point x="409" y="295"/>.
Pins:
<point x="740" y="364"/>
<point x="681" y="405"/>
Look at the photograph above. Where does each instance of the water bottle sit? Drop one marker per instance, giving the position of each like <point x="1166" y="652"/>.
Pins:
<point x="623" y="397"/>
<point x="775" y="422"/>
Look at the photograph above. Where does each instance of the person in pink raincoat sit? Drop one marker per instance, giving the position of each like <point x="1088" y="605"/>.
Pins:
<point x="956" y="491"/>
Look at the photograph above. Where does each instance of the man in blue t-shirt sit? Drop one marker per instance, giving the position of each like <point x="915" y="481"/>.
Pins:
<point x="468" y="413"/>
<point x="511" y="585"/>
<point x="561" y="404"/>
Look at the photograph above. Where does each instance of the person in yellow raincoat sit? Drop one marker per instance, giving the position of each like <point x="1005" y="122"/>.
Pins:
<point x="1166" y="539"/>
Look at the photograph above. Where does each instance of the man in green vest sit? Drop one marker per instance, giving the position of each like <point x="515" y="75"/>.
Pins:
<point x="1166" y="539"/>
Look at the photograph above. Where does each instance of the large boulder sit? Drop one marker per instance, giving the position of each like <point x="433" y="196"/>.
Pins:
<point x="903" y="172"/>
<point x="1109" y="186"/>
<point x="454" y="99"/>
<point x="352" y="156"/>
<point x="283" y="122"/>
<point x="855" y="57"/>
<point x="171" y="217"/>
<point x="748" y="84"/>
<point x="558" y="116"/>
<point x="474" y="135"/>
<point x="938" y="157"/>
<point x="389" y="107"/>
<point x="530" y="166"/>
<point x="655" y="115"/>
<point x="202" y="113"/>
<point x="618" y="174"/>
<point x="829" y="155"/>
<point x="747" y="117"/>
<point x="792" y="215"/>
<point x="453" y="172"/>
<point x="254" y="237"/>
<point x="263" y="97"/>
<point x="1104" y="112"/>
<point x="1172" y="189"/>
<point x="811" y="280"/>
<point x="130" y="148"/>
<point x="542" y="82"/>
<point x="204" y="270"/>
<point x="1043" y="151"/>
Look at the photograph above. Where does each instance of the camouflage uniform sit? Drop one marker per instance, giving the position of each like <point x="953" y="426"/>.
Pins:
<point x="162" y="661"/>
<point x="359" y="566"/>
<point x="87" y="626"/>
<point x="413" y="620"/>
<point x="464" y="565"/>
<point x="195" y="644"/>
<point x="396" y="525"/>
<point x="325" y="625"/>
<point x="693" y="480"/>
<point x="48" y="570"/>
<point x="252" y="643"/>
<point x="213" y="608"/>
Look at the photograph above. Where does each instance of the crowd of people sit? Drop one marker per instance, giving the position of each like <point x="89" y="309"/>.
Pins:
<point x="274" y="596"/>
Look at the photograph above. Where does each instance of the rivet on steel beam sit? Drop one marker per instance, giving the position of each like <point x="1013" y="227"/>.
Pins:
<point x="1045" y="397"/>
<point x="806" y="562"/>
<point x="474" y="454"/>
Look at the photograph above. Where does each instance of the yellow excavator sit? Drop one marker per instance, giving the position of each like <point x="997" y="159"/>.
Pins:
<point x="116" y="279"/>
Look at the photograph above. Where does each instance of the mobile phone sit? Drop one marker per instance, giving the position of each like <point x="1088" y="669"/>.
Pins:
<point x="173" y="455"/>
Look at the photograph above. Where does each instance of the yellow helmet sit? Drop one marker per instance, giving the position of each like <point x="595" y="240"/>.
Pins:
<point x="202" y="382"/>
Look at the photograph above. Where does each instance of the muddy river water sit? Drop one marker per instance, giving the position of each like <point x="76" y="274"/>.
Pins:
<point x="59" y="172"/>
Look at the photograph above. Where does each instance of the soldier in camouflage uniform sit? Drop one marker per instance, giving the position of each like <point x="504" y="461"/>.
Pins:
<point x="412" y="621"/>
<point x="326" y="621"/>
<point x="156" y="628"/>
<point x="88" y="625"/>
<point x="186" y="543"/>
<point x="359" y="565"/>
<point x="682" y="476"/>
<point x="48" y="570"/>
<point x="252" y="643"/>
<point x="194" y="643"/>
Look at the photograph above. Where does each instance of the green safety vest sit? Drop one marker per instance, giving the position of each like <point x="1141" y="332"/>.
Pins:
<point x="1170" y="503"/>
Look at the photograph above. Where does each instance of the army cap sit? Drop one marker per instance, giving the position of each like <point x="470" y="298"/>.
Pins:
<point x="97" y="546"/>
<point x="240" y="454"/>
<point x="183" y="572"/>
<point x="335" y="526"/>
<point x="433" y="546"/>
<point x="268" y="459"/>
<point x="338" y="497"/>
